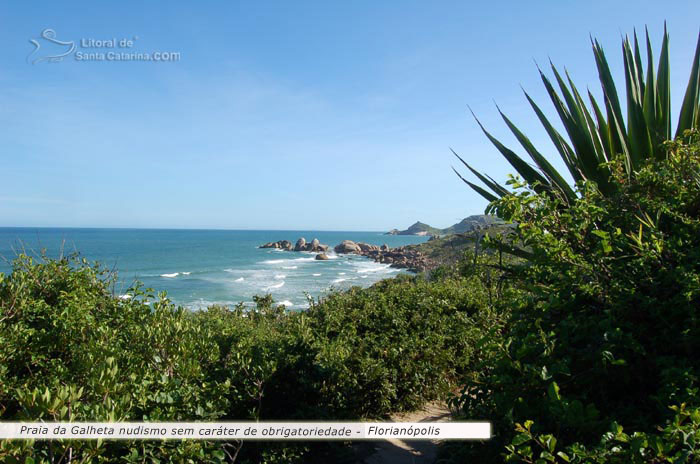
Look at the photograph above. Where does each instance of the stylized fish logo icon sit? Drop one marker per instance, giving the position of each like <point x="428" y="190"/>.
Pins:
<point x="50" y="36"/>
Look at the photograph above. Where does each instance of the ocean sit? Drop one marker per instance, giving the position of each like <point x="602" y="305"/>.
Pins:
<point x="199" y="268"/>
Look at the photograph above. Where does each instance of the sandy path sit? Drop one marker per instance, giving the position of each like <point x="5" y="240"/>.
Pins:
<point x="396" y="451"/>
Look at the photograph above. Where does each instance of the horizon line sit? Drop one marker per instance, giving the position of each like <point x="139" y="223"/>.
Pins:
<point x="185" y="228"/>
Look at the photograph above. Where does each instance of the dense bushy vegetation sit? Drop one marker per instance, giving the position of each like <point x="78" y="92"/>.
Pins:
<point x="586" y="351"/>
<point x="71" y="351"/>
<point x="599" y="362"/>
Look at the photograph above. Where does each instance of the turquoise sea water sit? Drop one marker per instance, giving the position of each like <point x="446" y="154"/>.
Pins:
<point x="198" y="268"/>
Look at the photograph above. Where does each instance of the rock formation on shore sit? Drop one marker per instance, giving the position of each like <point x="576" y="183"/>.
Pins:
<point x="400" y="257"/>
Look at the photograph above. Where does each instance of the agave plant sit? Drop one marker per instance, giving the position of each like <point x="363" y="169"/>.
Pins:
<point x="598" y="134"/>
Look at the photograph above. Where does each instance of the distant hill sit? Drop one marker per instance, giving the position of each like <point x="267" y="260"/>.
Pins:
<point x="477" y="221"/>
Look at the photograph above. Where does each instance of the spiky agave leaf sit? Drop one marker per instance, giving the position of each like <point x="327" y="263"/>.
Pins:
<point x="490" y="183"/>
<point x="690" y="110"/>
<point x="663" y="91"/>
<point x="553" y="176"/>
<point x="529" y="173"/>
<point x="594" y="137"/>
<point x="637" y="132"/>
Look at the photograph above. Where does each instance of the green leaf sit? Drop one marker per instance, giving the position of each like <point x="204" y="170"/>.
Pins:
<point x="638" y="134"/>
<point x="565" y="151"/>
<point x="663" y="92"/>
<point x="689" y="117"/>
<point x="524" y="169"/>
<point x="554" y="178"/>
<point x="520" y="438"/>
<point x="490" y="197"/>
<point x="553" y="391"/>
<point x="500" y="191"/>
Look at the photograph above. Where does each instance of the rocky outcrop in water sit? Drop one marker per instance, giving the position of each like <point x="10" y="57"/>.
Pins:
<point x="346" y="247"/>
<point x="301" y="245"/>
<point x="280" y="245"/>
<point x="400" y="257"/>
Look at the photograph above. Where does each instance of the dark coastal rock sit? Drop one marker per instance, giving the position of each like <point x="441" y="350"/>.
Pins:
<point x="347" y="246"/>
<point x="316" y="246"/>
<point x="366" y="247"/>
<point x="281" y="245"/>
<point x="393" y="232"/>
<point x="301" y="245"/>
<point x="403" y="257"/>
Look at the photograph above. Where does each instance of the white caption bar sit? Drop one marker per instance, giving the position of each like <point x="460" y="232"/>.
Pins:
<point x="246" y="430"/>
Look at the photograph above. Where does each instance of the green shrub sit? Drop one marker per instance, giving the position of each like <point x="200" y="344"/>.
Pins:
<point x="71" y="351"/>
<point x="606" y="334"/>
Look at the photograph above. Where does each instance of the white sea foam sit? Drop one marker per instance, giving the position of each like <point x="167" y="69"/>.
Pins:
<point x="286" y="303"/>
<point x="341" y="273"/>
<point x="186" y="273"/>
<point x="280" y="276"/>
<point x="240" y="279"/>
<point x="275" y="286"/>
<point x="372" y="269"/>
<point x="273" y="261"/>
<point x="125" y="297"/>
<point x="170" y="276"/>
<point x="337" y="281"/>
<point x="304" y="259"/>
<point x="316" y="275"/>
<point x="290" y="267"/>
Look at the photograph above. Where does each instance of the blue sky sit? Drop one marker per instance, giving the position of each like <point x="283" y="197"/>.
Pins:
<point x="288" y="115"/>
